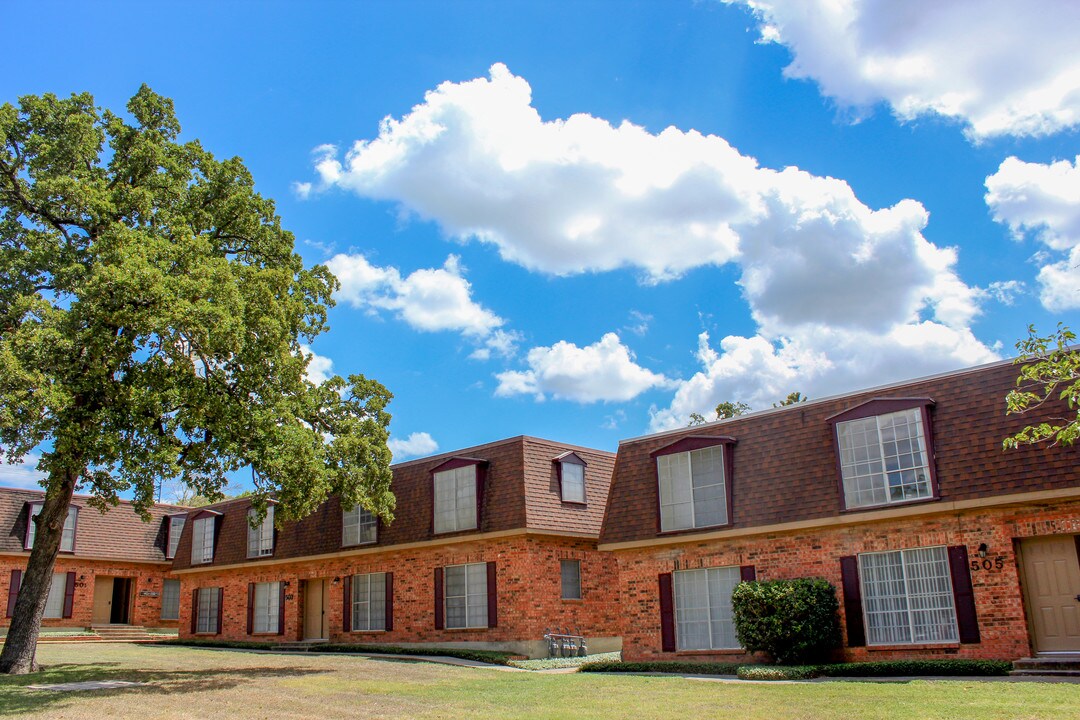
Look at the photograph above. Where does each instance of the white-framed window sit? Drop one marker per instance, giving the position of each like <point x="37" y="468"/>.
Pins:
<point x="266" y="614"/>
<point x="693" y="493"/>
<point x="466" y="596"/>
<point x="455" y="499"/>
<point x="358" y="527"/>
<point x="206" y="618"/>
<point x="54" y="604"/>
<point x="570" y="572"/>
<point x="67" y="539"/>
<point x="176" y="529"/>
<point x="369" y="602"/>
<point x="202" y="540"/>
<point x="703" y="616"/>
<point x="261" y="537"/>
<point x="883" y="458"/>
<point x="907" y="597"/>
<point x="170" y="600"/>
<point x="572" y="475"/>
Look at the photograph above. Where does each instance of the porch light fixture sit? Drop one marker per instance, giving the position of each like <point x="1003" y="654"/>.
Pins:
<point x="983" y="550"/>
<point x="337" y="580"/>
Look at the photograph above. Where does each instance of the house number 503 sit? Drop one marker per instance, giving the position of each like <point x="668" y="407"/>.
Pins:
<point x="988" y="564"/>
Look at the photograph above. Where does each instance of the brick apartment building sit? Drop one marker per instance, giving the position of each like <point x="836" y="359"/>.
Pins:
<point x="113" y="569"/>
<point x="490" y="546"/>
<point x="940" y="544"/>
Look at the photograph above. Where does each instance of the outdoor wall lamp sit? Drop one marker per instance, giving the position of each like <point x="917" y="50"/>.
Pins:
<point x="983" y="550"/>
<point x="337" y="580"/>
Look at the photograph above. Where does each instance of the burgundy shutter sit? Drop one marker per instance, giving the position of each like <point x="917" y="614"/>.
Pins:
<point x="967" y="621"/>
<point x="493" y="596"/>
<point x="346" y="604"/>
<point x="667" y="613"/>
<point x="439" y="599"/>
<point x="13" y="591"/>
<point x="251" y="609"/>
<point x="849" y="576"/>
<point x="220" y="609"/>
<point x="388" y="578"/>
<point x="194" y="610"/>
<point x="481" y="477"/>
<point x="69" y="594"/>
<point x="747" y="573"/>
<point x="281" y="609"/>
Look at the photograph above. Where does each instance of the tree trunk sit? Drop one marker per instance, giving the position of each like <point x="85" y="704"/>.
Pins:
<point x="20" y="646"/>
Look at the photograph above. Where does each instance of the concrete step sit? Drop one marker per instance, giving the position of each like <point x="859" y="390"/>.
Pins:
<point x="1048" y="665"/>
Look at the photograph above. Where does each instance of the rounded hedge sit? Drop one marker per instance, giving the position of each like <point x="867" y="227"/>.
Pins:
<point x="794" y="621"/>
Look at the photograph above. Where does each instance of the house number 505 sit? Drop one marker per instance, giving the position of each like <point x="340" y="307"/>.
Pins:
<point x="988" y="564"/>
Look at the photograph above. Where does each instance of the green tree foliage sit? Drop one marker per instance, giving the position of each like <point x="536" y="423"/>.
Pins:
<point x="152" y="316"/>
<point x="1049" y="374"/>
<point x="792" y="399"/>
<point x="729" y="409"/>
<point x="794" y="621"/>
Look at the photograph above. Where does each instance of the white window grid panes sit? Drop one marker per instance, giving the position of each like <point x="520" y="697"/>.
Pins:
<point x="465" y="593"/>
<point x="176" y="528"/>
<point x="202" y="540"/>
<point x="261" y="538"/>
<point x="693" y="493"/>
<point x="908" y="597"/>
<point x="67" y="537"/>
<point x="455" y="499"/>
<point x="207" y="612"/>
<point x="570" y="571"/>
<point x="704" y="619"/>
<point x="170" y="600"/>
<point x="573" y="482"/>
<point x="369" y="602"/>
<point x="883" y="459"/>
<point x="358" y="526"/>
<point x="267" y="612"/>
<point x="54" y="603"/>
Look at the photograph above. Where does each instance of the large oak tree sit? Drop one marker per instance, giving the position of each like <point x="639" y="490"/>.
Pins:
<point x="153" y="321"/>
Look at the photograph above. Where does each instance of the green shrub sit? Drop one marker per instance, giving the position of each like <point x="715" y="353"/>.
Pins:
<point x="794" y="621"/>
<point x="903" y="668"/>
<point x="681" y="668"/>
<point x="777" y="672"/>
<point x="886" y="668"/>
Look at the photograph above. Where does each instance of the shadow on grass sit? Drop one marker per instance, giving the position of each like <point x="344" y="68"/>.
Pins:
<point x="16" y="699"/>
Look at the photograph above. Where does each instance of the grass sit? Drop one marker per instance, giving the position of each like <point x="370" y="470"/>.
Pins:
<point x="188" y="682"/>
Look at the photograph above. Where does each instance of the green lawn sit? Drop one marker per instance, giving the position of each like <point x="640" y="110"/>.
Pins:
<point x="188" y="682"/>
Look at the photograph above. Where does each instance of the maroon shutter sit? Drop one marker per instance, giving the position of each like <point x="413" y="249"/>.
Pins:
<point x="493" y="596"/>
<point x="220" y="608"/>
<point x="967" y="621"/>
<point x="747" y="573"/>
<point x="389" y="589"/>
<point x="439" y="599"/>
<point x="346" y="604"/>
<point x="251" y="609"/>
<point x="667" y="613"/>
<point x="481" y="477"/>
<point x="69" y="594"/>
<point x="194" y="610"/>
<point x="13" y="591"/>
<point x="849" y="576"/>
<point x="281" y="609"/>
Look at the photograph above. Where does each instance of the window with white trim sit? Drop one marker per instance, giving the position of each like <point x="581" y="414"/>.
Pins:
<point x="455" y="499"/>
<point x="67" y="538"/>
<point x="261" y="537"/>
<point x="883" y="458"/>
<point x="202" y="540"/>
<point x="176" y="529"/>
<point x="266" y="614"/>
<point x="206" y="618"/>
<point x="703" y="616"/>
<point x="369" y="602"/>
<point x="466" y="596"/>
<point x="54" y="604"/>
<point x="570" y="572"/>
<point x="572" y="475"/>
<point x="907" y="597"/>
<point x="170" y="600"/>
<point x="692" y="489"/>
<point x="358" y="527"/>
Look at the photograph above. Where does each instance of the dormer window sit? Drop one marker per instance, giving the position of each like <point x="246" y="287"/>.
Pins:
<point x="67" y="539"/>
<point x="885" y="453"/>
<point x="358" y="527"/>
<point x="693" y="483"/>
<point x="202" y="537"/>
<point x="176" y="529"/>
<point x="261" y="537"/>
<point x="570" y="469"/>
<point x="457" y="484"/>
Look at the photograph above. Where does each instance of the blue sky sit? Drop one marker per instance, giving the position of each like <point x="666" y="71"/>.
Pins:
<point x="584" y="221"/>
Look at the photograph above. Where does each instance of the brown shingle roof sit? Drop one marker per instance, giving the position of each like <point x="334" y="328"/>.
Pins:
<point x="119" y="534"/>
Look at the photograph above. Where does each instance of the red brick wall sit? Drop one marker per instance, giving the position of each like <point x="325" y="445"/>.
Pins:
<point x="527" y="580"/>
<point x="146" y="610"/>
<point x="817" y="553"/>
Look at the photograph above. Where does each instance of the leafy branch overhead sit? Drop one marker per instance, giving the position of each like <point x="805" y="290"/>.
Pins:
<point x="1049" y="375"/>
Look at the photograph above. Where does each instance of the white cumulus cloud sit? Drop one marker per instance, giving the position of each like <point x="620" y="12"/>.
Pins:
<point x="1000" y="67"/>
<point x="415" y="445"/>
<point x="1043" y="201"/>
<point x="605" y="371"/>
<point x="25" y="475"/>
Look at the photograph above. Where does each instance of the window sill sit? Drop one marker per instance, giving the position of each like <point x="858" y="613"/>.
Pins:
<point x="573" y="600"/>
<point x="207" y="634"/>
<point x="886" y="506"/>
<point x="582" y="503"/>
<point x="914" y="646"/>
<point x="730" y="651"/>
<point x="265" y="634"/>
<point x="363" y="544"/>
<point x="472" y="629"/>
<point x="367" y="632"/>
<point x="260" y="557"/>
<point x="441" y="533"/>
<point x="688" y="531"/>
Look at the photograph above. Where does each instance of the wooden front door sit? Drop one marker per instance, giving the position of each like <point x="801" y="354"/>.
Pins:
<point x="103" y="593"/>
<point x="1051" y="575"/>
<point x="315" y="610"/>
